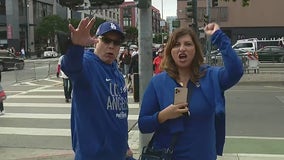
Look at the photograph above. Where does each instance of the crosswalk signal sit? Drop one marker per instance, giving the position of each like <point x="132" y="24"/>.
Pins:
<point x="96" y="3"/>
<point x="143" y="3"/>
<point x="189" y="9"/>
<point x="214" y="3"/>
<point x="206" y="19"/>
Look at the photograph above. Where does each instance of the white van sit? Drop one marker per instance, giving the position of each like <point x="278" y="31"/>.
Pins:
<point x="253" y="44"/>
<point x="246" y="44"/>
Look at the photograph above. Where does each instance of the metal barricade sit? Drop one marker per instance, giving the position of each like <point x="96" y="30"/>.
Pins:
<point x="250" y="62"/>
<point x="34" y="70"/>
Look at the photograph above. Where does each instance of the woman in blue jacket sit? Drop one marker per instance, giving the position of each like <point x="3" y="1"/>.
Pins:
<point x="202" y="134"/>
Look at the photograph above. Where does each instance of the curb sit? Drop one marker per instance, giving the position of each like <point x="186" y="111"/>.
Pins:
<point x="253" y="82"/>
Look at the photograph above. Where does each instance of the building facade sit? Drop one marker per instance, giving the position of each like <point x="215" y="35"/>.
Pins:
<point x="19" y="19"/>
<point x="129" y="17"/>
<point x="258" y="20"/>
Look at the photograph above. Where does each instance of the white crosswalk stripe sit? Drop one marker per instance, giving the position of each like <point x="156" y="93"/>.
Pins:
<point x="37" y="109"/>
<point x="54" y="105"/>
<point x="48" y="116"/>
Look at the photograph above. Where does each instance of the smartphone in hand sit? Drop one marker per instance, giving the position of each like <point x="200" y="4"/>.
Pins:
<point x="181" y="96"/>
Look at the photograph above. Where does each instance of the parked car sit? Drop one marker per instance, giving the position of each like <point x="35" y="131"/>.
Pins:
<point x="9" y="60"/>
<point x="271" y="53"/>
<point x="216" y="57"/>
<point x="50" y="52"/>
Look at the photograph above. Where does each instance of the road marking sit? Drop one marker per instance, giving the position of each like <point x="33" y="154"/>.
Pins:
<point x="280" y="98"/>
<point x="21" y="95"/>
<point x="35" y="131"/>
<point x="54" y="105"/>
<point x="48" y="116"/>
<point x="251" y="137"/>
<point x="256" y="90"/>
<point x="51" y="105"/>
<point x="253" y="155"/>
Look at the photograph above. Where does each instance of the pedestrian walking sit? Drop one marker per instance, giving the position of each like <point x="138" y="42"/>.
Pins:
<point x="195" y="127"/>
<point x="23" y="53"/>
<point x="99" y="103"/>
<point x="133" y="69"/>
<point x="67" y="85"/>
<point x="2" y="110"/>
<point x="157" y="61"/>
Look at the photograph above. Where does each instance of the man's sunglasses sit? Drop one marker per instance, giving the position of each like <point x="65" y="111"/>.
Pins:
<point x="108" y="41"/>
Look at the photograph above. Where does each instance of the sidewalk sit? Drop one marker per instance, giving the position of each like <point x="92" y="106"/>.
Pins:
<point x="49" y="154"/>
<point x="54" y="154"/>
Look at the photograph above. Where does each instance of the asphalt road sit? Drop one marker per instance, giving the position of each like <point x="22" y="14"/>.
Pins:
<point x="38" y="117"/>
<point x="255" y="119"/>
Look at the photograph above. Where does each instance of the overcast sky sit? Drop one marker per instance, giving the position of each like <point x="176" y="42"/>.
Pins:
<point x="169" y="7"/>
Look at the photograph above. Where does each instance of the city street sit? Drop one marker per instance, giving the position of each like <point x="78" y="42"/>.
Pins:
<point x="37" y="117"/>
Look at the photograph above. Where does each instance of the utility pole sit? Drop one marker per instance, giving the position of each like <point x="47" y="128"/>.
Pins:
<point x="145" y="41"/>
<point x="28" y="27"/>
<point x="162" y="23"/>
<point x="208" y="42"/>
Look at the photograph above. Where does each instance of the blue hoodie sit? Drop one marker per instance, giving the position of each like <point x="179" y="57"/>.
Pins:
<point x="99" y="106"/>
<point x="202" y="135"/>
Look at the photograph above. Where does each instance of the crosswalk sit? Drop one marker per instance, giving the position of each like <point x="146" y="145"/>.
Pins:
<point x="37" y="110"/>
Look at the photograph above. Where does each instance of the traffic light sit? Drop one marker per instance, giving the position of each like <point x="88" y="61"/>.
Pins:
<point x="190" y="9"/>
<point x="214" y="3"/>
<point x="143" y="3"/>
<point x="206" y="19"/>
<point x="71" y="3"/>
<point x="96" y="3"/>
<point x="245" y="3"/>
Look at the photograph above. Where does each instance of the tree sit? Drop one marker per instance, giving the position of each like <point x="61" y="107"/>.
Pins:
<point x="45" y="30"/>
<point x="131" y="34"/>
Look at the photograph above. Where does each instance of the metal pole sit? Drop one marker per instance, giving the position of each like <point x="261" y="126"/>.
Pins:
<point x="28" y="26"/>
<point x="162" y="42"/>
<point x="145" y="58"/>
<point x="195" y="24"/>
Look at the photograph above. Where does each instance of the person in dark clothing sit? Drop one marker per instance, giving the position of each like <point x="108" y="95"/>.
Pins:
<point x="133" y="69"/>
<point x="133" y="66"/>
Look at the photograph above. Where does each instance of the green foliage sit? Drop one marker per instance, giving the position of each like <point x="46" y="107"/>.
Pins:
<point x="46" y="28"/>
<point x="96" y="25"/>
<point x="50" y="24"/>
<point x="131" y="34"/>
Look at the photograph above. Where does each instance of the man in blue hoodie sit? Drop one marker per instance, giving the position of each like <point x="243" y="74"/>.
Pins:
<point x="99" y="102"/>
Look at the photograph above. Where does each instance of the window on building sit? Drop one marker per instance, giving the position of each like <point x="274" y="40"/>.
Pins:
<point x="42" y="10"/>
<point x="223" y="14"/>
<point x="22" y="8"/>
<point x="126" y="22"/>
<point x="2" y="7"/>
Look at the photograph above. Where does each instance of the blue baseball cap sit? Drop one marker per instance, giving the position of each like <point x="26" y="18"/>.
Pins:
<point x="109" y="27"/>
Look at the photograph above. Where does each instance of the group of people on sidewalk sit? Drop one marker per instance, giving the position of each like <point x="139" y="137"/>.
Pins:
<point x="99" y="112"/>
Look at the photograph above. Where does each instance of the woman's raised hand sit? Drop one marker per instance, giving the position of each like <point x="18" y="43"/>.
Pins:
<point x="210" y="28"/>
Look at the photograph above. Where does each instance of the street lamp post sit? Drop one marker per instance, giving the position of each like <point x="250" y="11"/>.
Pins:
<point x="208" y="42"/>
<point x="162" y="21"/>
<point x="28" y="26"/>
